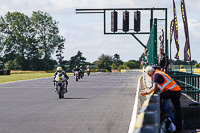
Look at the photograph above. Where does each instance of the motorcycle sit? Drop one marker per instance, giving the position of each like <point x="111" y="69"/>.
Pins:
<point x="60" y="83"/>
<point x="81" y="73"/>
<point x="76" y="75"/>
<point x="88" y="71"/>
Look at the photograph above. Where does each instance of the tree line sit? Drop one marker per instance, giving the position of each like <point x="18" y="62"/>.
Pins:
<point x="27" y="43"/>
<point x="103" y="62"/>
<point x="114" y="62"/>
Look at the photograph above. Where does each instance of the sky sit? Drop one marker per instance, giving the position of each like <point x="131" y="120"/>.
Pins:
<point x="85" y="32"/>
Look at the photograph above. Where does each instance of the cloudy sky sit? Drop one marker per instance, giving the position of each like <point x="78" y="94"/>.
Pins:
<point x="84" y="32"/>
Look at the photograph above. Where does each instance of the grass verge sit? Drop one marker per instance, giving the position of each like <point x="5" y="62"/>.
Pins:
<point x="26" y="76"/>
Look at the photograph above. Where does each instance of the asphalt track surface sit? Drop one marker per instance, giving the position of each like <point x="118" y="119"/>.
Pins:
<point x="100" y="103"/>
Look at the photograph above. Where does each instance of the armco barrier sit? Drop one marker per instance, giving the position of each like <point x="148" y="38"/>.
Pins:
<point x="148" y="118"/>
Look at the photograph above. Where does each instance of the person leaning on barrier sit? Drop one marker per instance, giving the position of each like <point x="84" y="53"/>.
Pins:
<point x="168" y="90"/>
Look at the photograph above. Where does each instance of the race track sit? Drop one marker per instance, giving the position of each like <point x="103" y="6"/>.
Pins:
<point x="100" y="103"/>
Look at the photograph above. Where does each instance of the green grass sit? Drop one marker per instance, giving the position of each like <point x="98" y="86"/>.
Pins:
<point x="18" y="77"/>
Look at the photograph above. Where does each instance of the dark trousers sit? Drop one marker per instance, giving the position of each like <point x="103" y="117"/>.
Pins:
<point x="175" y="98"/>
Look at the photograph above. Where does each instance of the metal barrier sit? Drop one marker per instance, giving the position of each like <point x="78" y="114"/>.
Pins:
<point x="188" y="82"/>
<point x="148" y="118"/>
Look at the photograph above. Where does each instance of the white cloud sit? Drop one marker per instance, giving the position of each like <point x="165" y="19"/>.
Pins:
<point x="194" y="27"/>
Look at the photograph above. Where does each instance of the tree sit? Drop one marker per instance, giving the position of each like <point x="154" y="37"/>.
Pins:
<point x="30" y="40"/>
<point x="77" y="60"/>
<point x="47" y="34"/>
<point x="116" y="62"/>
<point x="132" y="64"/>
<point x="104" y="62"/>
<point x="59" y="53"/>
<point x="122" y="67"/>
<point x="116" y="57"/>
<point x="15" y="31"/>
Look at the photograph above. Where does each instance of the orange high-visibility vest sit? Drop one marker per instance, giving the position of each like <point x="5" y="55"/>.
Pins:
<point x="168" y="84"/>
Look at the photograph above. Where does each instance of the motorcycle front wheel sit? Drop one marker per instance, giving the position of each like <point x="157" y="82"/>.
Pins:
<point x="60" y="93"/>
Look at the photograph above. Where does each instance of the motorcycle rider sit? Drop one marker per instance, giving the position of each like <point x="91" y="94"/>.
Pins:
<point x="81" y="70"/>
<point x="88" y="70"/>
<point x="81" y="67"/>
<point x="59" y="69"/>
<point x="88" y="67"/>
<point x="76" y="69"/>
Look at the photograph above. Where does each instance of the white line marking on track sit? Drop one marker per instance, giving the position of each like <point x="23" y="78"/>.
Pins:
<point x="134" y="113"/>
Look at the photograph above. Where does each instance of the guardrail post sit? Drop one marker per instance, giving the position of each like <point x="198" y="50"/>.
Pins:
<point x="151" y="119"/>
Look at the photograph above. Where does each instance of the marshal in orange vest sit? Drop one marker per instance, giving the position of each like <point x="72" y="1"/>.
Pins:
<point x="168" y="84"/>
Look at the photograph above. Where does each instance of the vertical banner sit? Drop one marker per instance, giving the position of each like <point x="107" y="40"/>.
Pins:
<point x="187" y="54"/>
<point x="171" y="33"/>
<point x="171" y="30"/>
<point x="176" y="31"/>
<point x="162" y="39"/>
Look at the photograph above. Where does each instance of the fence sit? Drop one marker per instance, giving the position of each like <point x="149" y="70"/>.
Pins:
<point x="148" y="118"/>
<point x="188" y="82"/>
<point x="194" y="70"/>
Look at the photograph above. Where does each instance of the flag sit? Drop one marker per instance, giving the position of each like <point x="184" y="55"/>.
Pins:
<point x="162" y="42"/>
<point x="171" y="30"/>
<point x="187" y="53"/>
<point x="171" y="33"/>
<point x="176" y="31"/>
<point x="161" y="38"/>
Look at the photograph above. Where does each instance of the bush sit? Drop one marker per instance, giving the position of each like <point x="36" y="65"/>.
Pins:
<point x="116" y="65"/>
<point x="123" y="67"/>
<point x="13" y="65"/>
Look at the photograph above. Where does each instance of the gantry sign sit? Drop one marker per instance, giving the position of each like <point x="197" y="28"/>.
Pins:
<point x="126" y="16"/>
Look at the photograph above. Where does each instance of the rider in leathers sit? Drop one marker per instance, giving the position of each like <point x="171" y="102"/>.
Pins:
<point x="59" y="69"/>
<point x="76" y="69"/>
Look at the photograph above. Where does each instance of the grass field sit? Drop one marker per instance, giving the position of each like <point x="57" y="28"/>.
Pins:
<point x="18" y="77"/>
